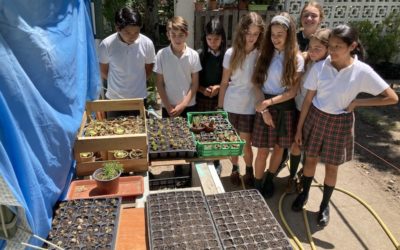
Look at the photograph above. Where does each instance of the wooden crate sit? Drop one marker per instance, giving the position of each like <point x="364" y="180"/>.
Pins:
<point x="112" y="142"/>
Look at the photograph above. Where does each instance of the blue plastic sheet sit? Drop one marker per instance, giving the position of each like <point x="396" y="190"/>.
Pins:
<point x="48" y="70"/>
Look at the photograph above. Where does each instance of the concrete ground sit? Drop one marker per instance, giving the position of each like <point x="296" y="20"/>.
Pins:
<point x="351" y="225"/>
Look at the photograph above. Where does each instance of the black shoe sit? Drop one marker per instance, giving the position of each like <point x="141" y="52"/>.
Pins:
<point x="235" y="178"/>
<point x="218" y="168"/>
<point x="323" y="217"/>
<point x="299" y="203"/>
<point x="248" y="179"/>
<point x="268" y="190"/>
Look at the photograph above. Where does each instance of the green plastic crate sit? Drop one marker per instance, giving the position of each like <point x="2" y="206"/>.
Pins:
<point x="213" y="149"/>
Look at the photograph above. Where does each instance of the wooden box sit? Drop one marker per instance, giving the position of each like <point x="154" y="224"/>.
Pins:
<point x="111" y="142"/>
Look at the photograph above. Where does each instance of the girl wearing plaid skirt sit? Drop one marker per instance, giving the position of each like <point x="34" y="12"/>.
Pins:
<point x="317" y="51"/>
<point x="276" y="78"/>
<point x="236" y="94"/>
<point x="325" y="127"/>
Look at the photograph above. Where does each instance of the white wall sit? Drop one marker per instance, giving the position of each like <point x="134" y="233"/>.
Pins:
<point x="185" y="9"/>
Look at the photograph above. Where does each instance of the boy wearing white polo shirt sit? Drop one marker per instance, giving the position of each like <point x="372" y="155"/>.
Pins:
<point x="177" y="67"/>
<point x="126" y="58"/>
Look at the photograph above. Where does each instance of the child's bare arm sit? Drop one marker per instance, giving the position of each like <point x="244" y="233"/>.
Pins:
<point x="226" y="74"/>
<point x="387" y="97"/>
<point x="162" y="93"/>
<point x="188" y="97"/>
<point x="149" y="70"/>
<point x="287" y="95"/>
<point x="104" y="70"/>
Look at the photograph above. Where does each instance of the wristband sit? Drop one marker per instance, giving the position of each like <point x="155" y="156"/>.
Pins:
<point x="263" y="111"/>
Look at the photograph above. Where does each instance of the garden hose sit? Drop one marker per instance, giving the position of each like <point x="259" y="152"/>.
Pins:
<point x="379" y="220"/>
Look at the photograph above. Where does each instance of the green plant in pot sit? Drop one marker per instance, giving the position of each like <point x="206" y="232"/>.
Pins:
<point x="107" y="177"/>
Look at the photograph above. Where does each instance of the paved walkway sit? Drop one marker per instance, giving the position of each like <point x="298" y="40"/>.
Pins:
<point x="351" y="225"/>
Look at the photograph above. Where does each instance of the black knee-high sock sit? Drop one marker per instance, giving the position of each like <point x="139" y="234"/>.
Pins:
<point x="307" y="184"/>
<point x="294" y="164"/>
<point x="249" y="169"/>
<point x="328" y="190"/>
<point x="235" y="168"/>
<point x="284" y="157"/>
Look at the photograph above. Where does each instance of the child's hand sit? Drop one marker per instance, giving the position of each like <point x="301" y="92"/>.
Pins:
<point x="260" y="106"/>
<point x="268" y="119"/>
<point x="214" y="90"/>
<point x="298" y="137"/>
<point x="177" y="110"/>
<point x="207" y="92"/>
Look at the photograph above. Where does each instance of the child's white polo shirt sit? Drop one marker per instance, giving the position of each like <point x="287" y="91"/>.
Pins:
<point x="337" y="89"/>
<point x="240" y="94"/>
<point x="126" y="72"/>
<point x="177" y="73"/>
<point x="273" y="83"/>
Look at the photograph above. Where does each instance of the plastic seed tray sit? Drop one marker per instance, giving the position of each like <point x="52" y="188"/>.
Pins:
<point x="170" y="138"/>
<point x="223" y="141"/>
<point x="86" y="224"/>
<point x="180" y="220"/>
<point x="244" y="221"/>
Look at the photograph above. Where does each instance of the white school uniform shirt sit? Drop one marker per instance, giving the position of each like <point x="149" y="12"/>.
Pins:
<point x="240" y="94"/>
<point x="337" y="89"/>
<point x="126" y="72"/>
<point x="273" y="84"/>
<point x="177" y="73"/>
<point x="301" y="94"/>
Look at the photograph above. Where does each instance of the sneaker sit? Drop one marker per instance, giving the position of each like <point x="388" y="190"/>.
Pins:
<point x="248" y="179"/>
<point x="291" y="186"/>
<point x="235" y="178"/>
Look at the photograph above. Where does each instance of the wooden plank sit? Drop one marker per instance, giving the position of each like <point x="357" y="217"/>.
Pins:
<point x="131" y="230"/>
<point x="116" y="105"/>
<point x="130" y="165"/>
<point x="209" y="180"/>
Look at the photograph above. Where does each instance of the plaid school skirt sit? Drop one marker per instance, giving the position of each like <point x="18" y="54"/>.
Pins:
<point x="242" y="123"/>
<point x="329" y="137"/>
<point x="203" y="105"/>
<point x="267" y="137"/>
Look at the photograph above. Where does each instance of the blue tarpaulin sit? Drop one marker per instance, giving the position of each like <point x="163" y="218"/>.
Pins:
<point x="48" y="70"/>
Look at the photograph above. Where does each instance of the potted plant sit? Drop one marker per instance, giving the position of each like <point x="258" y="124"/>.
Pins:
<point x="212" y="4"/>
<point x="107" y="177"/>
<point x="86" y="157"/>
<point x="259" y="5"/>
<point x="199" y="5"/>
<point x="121" y="154"/>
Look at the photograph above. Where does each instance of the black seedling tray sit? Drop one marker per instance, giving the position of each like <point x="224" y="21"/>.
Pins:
<point x="244" y="221"/>
<point x="180" y="220"/>
<point x="86" y="224"/>
<point x="171" y="137"/>
<point x="170" y="154"/>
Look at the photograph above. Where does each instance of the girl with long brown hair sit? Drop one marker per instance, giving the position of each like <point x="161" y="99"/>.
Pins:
<point x="276" y="78"/>
<point x="236" y="94"/>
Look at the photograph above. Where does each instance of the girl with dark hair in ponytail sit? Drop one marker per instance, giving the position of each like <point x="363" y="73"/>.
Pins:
<point x="325" y="128"/>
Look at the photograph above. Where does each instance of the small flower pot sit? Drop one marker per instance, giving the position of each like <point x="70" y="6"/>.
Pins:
<point x="199" y="6"/>
<point x="106" y="186"/>
<point x="120" y="154"/>
<point x="86" y="157"/>
<point x="212" y="4"/>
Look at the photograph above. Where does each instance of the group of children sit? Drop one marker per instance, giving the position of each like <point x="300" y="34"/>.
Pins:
<point x="281" y="89"/>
